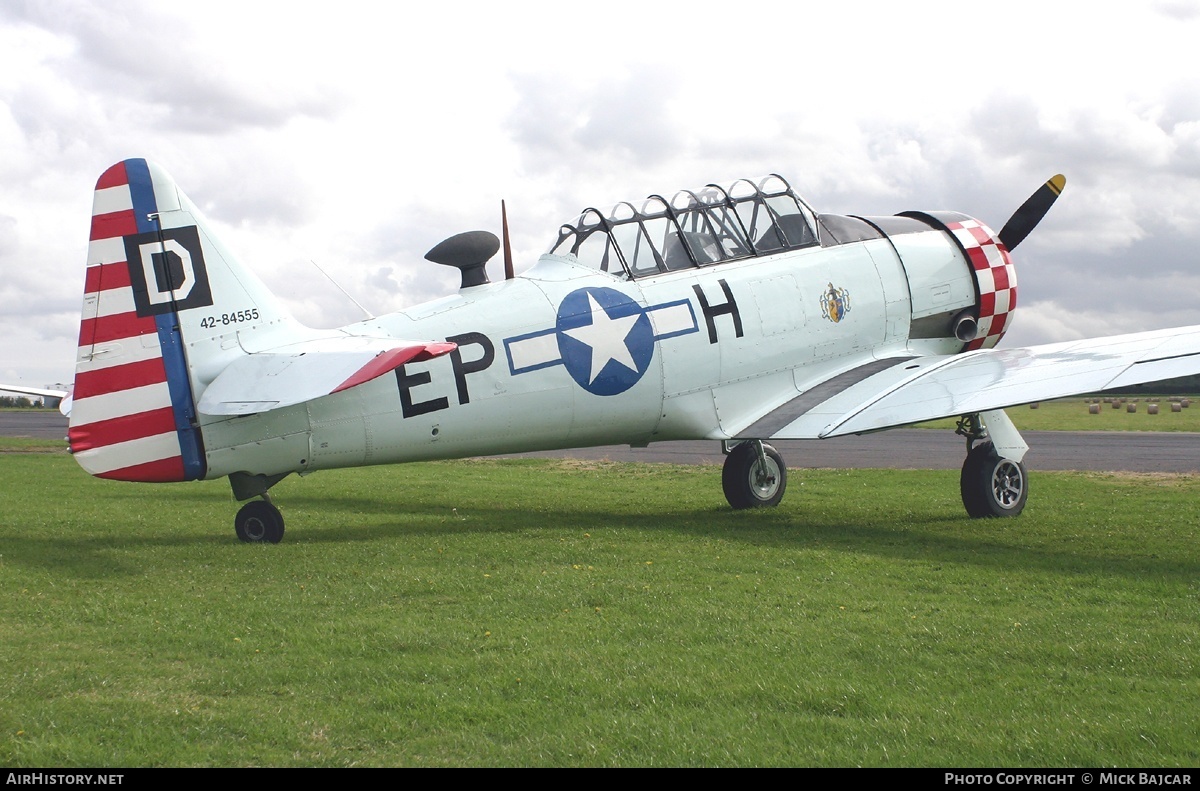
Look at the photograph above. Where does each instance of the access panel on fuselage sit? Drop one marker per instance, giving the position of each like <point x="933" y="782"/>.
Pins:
<point x="938" y="276"/>
<point x="759" y="320"/>
<point x="804" y="306"/>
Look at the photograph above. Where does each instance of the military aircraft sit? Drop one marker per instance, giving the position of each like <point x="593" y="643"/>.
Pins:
<point x="736" y="314"/>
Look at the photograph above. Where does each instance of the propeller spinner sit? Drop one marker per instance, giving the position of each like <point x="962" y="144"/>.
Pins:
<point x="1026" y="218"/>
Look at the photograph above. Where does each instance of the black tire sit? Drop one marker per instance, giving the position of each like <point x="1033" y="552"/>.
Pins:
<point x="992" y="486"/>
<point x="743" y="480"/>
<point x="259" y="522"/>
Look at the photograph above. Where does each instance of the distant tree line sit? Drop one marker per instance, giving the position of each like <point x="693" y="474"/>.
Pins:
<point x="20" y="401"/>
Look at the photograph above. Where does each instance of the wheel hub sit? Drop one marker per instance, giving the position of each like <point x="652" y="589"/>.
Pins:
<point x="765" y="479"/>
<point x="1007" y="484"/>
<point x="256" y="530"/>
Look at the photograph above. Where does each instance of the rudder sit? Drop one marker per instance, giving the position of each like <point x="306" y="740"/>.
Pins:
<point x="165" y="309"/>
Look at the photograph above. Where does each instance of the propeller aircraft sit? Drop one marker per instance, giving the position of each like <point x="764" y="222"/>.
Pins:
<point x="736" y="314"/>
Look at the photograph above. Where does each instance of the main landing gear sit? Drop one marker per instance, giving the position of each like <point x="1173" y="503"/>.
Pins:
<point x="259" y="522"/>
<point x="991" y="485"/>
<point x="754" y="475"/>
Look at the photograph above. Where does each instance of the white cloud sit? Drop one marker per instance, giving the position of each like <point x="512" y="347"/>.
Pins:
<point x="139" y="55"/>
<point x="363" y="134"/>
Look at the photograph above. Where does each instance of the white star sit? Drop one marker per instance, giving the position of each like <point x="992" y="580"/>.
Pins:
<point x="606" y="336"/>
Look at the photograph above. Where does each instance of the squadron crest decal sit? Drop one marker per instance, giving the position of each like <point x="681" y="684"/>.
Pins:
<point x="835" y="303"/>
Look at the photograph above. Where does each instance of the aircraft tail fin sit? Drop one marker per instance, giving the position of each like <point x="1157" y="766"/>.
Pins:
<point x="165" y="309"/>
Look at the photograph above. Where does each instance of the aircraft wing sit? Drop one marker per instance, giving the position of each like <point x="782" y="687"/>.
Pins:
<point x="898" y="391"/>
<point x="262" y="381"/>
<point x="37" y="391"/>
<point x="64" y="405"/>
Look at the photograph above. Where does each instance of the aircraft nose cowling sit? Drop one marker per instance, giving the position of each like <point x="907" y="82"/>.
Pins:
<point x="992" y="267"/>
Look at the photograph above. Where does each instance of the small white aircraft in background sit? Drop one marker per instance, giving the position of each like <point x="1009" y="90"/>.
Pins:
<point x="735" y="314"/>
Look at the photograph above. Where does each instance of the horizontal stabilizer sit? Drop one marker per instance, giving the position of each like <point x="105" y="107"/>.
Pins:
<point x="903" y="391"/>
<point x="275" y="379"/>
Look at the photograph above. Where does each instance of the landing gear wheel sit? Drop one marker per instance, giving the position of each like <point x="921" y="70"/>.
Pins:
<point x="991" y="485"/>
<point x="747" y="482"/>
<point x="259" y="522"/>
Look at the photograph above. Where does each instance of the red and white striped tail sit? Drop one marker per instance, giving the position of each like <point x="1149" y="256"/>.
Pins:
<point x="133" y="413"/>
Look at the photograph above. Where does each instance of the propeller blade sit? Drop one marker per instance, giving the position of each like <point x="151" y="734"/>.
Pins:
<point x="508" y="262"/>
<point x="1026" y="218"/>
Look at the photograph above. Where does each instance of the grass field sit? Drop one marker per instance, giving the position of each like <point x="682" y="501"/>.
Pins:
<point x="32" y="445"/>
<point x="565" y="613"/>
<point x="1071" y="414"/>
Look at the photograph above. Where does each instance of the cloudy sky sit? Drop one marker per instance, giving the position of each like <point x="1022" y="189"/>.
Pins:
<point x="360" y="134"/>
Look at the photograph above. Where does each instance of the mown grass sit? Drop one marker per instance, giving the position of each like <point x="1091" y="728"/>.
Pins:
<point x="579" y="613"/>
<point x="32" y="445"/>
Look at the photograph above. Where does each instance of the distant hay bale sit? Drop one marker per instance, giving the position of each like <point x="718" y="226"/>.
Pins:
<point x="1151" y="409"/>
<point x="1093" y="409"/>
<point x="1116" y="403"/>
<point x="1131" y="406"/>
<point x="1034" y="405"/>
<point x="1183" y="402"/>
<point x="1176" y="406"/>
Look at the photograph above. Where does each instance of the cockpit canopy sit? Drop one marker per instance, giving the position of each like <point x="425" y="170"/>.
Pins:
<point x="695" y="228"/>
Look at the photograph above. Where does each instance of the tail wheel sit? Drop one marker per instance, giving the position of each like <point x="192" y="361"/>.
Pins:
<point x="751" y="481"/>
<point x="259" y="522"/>
<point x="992" y="485"/>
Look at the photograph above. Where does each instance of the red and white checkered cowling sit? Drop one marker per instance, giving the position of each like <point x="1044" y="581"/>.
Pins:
<point x="995" y="277"/>
<point x="992" y="267"/>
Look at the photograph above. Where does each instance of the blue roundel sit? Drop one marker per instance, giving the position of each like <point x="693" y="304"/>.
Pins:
<point x="605" y="340"/>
